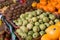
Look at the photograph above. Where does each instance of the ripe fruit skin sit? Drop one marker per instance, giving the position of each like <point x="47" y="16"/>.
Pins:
<point x="42" y="27"/>
<point x="53" y="32"/>
<point x="45" y="8"/>
<point x="29" y="26"/>
<point x="39" y="6"/>
<point x="42" y="33"/>
<point x="34" y="4"/>
<point x="59" y="38"/>
<point x="51" y="9"/>
<point x="35" y="35"/>
<point x="45" y="37"/>
<point x="43" y="2"/>
<point x="59" y="11"/>
<point x="54" y="39"/>
<point x="58" y="24"/>
<point x="36" y="29"/>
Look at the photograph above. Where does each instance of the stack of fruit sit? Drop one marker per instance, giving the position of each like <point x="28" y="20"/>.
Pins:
<point x="33" y="24"/>
<point x="4" y="3"/>
<point x="52" y="32"/>
<point x="48" y="5"/>
<point x="14" y="10"/>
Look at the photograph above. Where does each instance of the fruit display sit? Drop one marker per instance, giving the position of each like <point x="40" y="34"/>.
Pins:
<point x="45" y="37"/>
<point x="48" y="5"/>
<point x="5" y="3"/>
<point x="14" y="10"/>
<point x="52" y="32"/>
<point x="33" y="24"/>
<point x="30" y="19"/>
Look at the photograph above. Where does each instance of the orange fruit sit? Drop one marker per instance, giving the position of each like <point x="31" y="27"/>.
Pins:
<point x="55" y="39"/>
<point x="45" y="37"/>
<point x="58" y="6"/>
<point x="45" y="8"/>
<point x="59" y="11"/>
<point x="51" y="8"/>
<point x="59" y="38"/>
<point x="34" y="4"/>
<point x="58" y="1"/>
<point x="53" y="32"/>
<point x="54" y="3"/>
<point x="58" y="24"/>
<point x="43" y="2"/>
<point x="39" y="6"/>
<point x="49" y="4"/>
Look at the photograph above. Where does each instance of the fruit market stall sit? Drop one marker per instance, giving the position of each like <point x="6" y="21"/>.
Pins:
<point x="30" y="19"/>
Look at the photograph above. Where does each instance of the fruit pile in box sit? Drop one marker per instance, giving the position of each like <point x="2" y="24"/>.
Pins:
<point x="31" y="19"/>
<point x="35" y="23"/>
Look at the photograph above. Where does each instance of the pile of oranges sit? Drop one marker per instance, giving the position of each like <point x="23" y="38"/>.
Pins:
<point x="52" y="32"/>
<point x="48" y="5"/>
